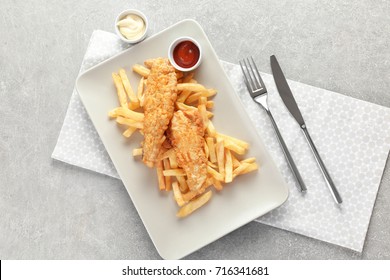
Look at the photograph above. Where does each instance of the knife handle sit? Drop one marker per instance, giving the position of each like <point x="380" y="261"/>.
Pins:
<point x="286" y="153"/>
<point x="324" y="171"/>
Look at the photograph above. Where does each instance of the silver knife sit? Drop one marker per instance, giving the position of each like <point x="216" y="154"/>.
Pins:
<point x="289" y="101"/>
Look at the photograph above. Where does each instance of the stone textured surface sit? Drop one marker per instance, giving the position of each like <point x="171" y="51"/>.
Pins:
<point x="57" y="211"/>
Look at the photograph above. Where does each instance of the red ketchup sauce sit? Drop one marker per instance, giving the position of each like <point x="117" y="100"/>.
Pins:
<point x="186" y="54"/>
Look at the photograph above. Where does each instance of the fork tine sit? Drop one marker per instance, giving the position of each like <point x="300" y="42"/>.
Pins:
<point x="245" y="77"/>
<point x="258" y="76"/>
<point x="256" y="81"/>
<point x="249" y="75"/>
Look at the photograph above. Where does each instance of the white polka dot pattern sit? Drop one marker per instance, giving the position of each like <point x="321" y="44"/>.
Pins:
<point x="352" y="137"/>
<point x="78" y="143"/>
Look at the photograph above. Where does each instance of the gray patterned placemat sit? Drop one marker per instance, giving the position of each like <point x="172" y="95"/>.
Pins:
<point x="351" y="135"/>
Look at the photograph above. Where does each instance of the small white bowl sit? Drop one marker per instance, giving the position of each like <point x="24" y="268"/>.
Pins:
<point x="125" y="13"/>
<point x="172" y="48"/>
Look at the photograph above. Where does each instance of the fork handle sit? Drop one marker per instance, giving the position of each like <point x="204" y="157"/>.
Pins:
<point x="287" y="154"/>
<point x="324" y="171"/>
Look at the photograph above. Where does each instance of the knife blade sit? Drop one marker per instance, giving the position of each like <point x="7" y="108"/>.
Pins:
<point x="285" y="91"/>
<point x="289" y="100"/>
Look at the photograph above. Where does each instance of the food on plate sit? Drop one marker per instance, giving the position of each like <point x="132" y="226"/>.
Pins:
<point x="159" y="103"/>
<point x="127" y="86"/>
<point x="171" y="110"/>
<point x="120" y="90"/>
<point x="194" y="204"/>
<point x="186" y="134"/>
<point x="142" y="70"/>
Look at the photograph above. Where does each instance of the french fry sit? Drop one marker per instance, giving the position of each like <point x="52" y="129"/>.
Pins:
<point x="160" y="175"/>
<point x="195" y="96"/>
<point x="174" y="172"/>
<point x="245" y="168"/>
<point x="137" y="152"/>
<point x="249" y="160"/>
<point x="127" y="113"/>
<point x="215" y="174"/>
<point x="234" y="147"/>
<point x="130" y="122"/>
<point x="202" y="110"/>
<point x="194" y="204"/>
<point x="234" y="144"/>
<point x="182" y="184"/>
<point x="167" y="166"/>
<point x="120" y="90"/>
<point x="211" y="92"/>
<point x="236" y="162"/>
<point x="190" y="87"/>
<point x="236" y="141"/>
<point x="193" y="81"/>
<point x="129" y="131"/>
<point x="183" y="96"/>
<point x="148" y="63"/>
<point x="172" y="160"/>
<point x="114" y="113"/>
<point x="211" y="129"/>
<point x="210" y="104"/>
<point x="141" y="70"/>
<point x="179" y="75"/>
<point x="250" y="168"/>
<point x="184" y="107"/>
<point x="217" y="184"/>
<point x="208" y="182"/>
<point x="140" y="91"/>
<point x="127" y="85"/>
<point x="162" y="140"/>
<point x="133" y="105"/>
<point x="167" y="154"/>
<point x="188" y="196"/>
<point x="212" y="165"/>
<point x="212" y="154"/>
<point x="188" y="77"/>
<point x="240" y="168"/>
<point x="206" y="149"/>
<point x="192" y="98"/>
<point x="177" y="194"/>
<point x="228" y="166"/>
<point x="220" y="151"/>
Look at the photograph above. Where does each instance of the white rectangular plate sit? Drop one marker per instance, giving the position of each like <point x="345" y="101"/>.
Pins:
<point x="240" y="202"/>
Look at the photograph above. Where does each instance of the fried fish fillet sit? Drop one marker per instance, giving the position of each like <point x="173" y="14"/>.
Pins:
<point x="186" y="135"/>
<point x="160" y="97"/>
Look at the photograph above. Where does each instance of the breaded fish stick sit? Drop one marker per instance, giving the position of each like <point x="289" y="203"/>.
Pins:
<point x="186" y="135"/>
<point x="160" y="97"/>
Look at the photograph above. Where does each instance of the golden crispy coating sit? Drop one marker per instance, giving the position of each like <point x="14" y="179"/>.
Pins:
<point x="186" y="135"/>
<point x="160" y="97"/>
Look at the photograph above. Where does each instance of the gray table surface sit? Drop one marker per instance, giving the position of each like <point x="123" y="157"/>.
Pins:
<point x="51" y="210"/>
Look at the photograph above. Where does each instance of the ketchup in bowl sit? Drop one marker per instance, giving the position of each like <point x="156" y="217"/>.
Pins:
<point x="186" y="54"/>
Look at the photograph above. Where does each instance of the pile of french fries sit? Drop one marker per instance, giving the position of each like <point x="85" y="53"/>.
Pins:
<point x="223" y="151"/>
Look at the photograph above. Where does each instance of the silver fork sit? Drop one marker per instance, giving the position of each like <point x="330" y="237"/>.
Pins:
<point x="258" y="92"/>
